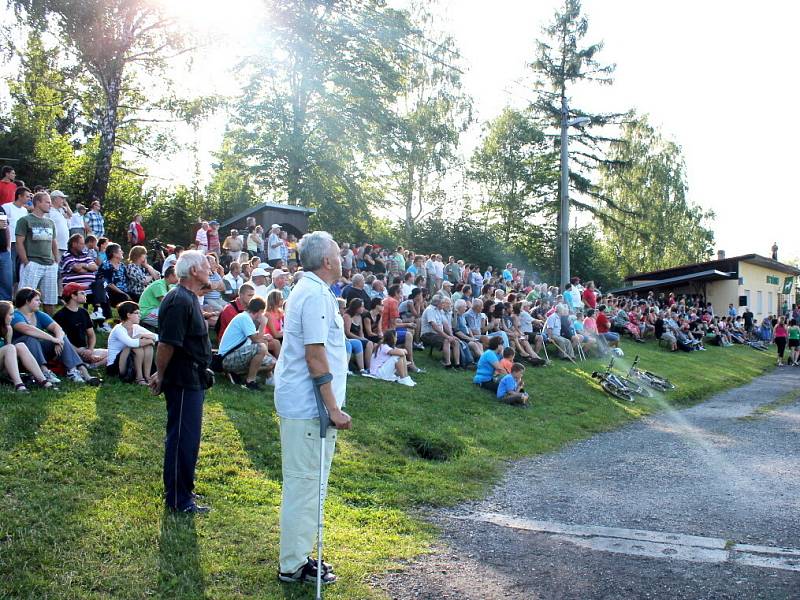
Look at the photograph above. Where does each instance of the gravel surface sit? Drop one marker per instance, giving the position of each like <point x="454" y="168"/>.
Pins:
<point x="717" y="469"/>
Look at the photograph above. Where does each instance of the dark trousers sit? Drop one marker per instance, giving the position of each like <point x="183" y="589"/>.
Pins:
<point x="182" y="444"/>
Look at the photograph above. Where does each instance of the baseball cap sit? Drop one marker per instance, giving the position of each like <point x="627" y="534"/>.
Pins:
<point x="72" y="288"/>
<point x="213" y="222"/>
<point x="278" y="273"/>
<point x="275" y="226"/>
<point x="58" y="194"/>
<point x="258" y="271"/>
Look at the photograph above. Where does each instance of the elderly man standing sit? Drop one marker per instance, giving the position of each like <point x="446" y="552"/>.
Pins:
<point x="184" y="355"/>
<point x="274" y="244"/>
<point x="313" y="351"/>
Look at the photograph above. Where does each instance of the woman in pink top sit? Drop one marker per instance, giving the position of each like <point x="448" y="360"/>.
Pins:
<point x="274" y="314"/>
<point x="779" y="334"/>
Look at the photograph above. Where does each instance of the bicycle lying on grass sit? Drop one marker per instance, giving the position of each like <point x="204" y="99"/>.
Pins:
<point x="654" y="381"/>
<point x="613" y="384"/>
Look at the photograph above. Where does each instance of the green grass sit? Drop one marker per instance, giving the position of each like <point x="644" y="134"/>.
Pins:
<point x="80" y="475"/>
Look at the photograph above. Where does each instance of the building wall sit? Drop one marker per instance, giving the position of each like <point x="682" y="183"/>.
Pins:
<point x="754" y="279"/>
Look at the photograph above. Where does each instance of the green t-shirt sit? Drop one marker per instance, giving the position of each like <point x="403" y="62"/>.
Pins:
<point x="152" y="296"/>
<point x="794" y="332"/>
<point x="39" y="234"/>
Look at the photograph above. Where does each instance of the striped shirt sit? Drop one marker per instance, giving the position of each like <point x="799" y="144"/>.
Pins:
<point x="68" y="263"/>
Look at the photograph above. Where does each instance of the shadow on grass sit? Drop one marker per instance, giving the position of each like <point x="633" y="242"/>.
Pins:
<point x="179" y="571"/>
<point x="22" y="417"/>
<point x="105" y="430"/>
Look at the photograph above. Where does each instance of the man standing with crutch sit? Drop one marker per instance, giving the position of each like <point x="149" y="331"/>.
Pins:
<point x="312" y="364"/>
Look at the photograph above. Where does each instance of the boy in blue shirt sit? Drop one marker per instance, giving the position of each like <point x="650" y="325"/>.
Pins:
<point x="510" y="390"/>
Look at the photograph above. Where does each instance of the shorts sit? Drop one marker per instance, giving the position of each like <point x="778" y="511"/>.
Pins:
<point x="794" y="343"/>
<point x="41" y="277"/>
<point x="433" y="339"/>
<point x="238" y="361"/>
<point x="352" y="346"/>
<point x="401" y="336"/>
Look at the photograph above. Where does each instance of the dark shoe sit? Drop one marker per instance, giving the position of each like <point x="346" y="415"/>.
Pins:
<point x="253" y="386"/>
<point x="327" y="567"/>
<point x="94" y="381"/>
<point x="193" y="509"/>
<point x="307" y="574"/>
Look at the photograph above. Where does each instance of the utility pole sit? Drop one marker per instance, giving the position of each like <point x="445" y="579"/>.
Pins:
<point x="564" y="216"/>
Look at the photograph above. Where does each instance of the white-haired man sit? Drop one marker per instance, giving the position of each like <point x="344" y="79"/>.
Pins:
<point x="182" y="360"/>
<point x="313" y="354"/>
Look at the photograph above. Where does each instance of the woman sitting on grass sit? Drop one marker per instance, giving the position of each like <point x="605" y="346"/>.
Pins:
<point x="355" y="352"/>
<point x="130" y="347"/>
<point x="353" y="328"/>
<point x="13" y="355"/>
<point x="45" y="339"/>
<point x="388" y="362"/>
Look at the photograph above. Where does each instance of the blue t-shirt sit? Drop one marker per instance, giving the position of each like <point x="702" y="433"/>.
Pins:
<point x="507" y="384"/>
<point x="240" y="328"/>
<point x="43" y="321"/>
<point x="507" y="275"/>
<point x="485" y="369"/>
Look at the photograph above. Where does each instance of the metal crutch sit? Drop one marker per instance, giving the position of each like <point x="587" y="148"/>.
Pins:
<point x="324" y="423"/>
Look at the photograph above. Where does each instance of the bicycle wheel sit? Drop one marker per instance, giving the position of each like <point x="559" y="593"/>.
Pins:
<point x="616" y="391"/>
<point x="639" y="390"/>
<point x="660" y="381"/>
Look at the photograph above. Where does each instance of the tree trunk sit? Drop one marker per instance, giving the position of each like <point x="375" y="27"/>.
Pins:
<point x="108" y="122"/>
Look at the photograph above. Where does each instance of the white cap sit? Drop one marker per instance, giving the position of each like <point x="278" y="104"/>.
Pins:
<point x="275" y="226"/>
<point x="58" y="194"/>
<point x="258" y="271"/>
<point x="278" y="273"/>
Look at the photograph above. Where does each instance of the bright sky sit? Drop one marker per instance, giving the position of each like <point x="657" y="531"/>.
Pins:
<point x="708" y="73"/>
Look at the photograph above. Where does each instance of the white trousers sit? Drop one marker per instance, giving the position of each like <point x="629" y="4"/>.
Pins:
<point x="300" y="443"/>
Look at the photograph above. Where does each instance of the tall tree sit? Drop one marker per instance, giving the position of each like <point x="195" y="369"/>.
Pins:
<point x="320" y="92"/>
<point x="513" y="165"/>
<point x="114" y="42"/>
<point x="659" y="227"/>
<point x="432" y="111"/>
<point x="563" y="61"/>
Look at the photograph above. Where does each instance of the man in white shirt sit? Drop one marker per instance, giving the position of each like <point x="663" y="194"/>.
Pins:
<point x="60" y="219"/>
<point x="435" y="334"/>
<point x="15" y="211"/>
<point x="201" y="237"/>
<point x="259" y="280"/>
<point x="313" y="349"/>
<point x="233" y="280"/>
<point x="553" y="329"/>
<point x="274" y="244"/>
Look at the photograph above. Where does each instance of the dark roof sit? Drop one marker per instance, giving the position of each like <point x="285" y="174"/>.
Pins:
<point x="264" y="206"/>
<point x="723" y="264"/>
<point x="708" y="275"/>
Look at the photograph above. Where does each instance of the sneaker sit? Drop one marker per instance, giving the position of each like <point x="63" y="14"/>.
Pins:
<point x="406" y="381"/>
<point x="51" y="377"/>
<point x="416" y="369"/>
<point x="75" y="376"/>
<point x="307" y="574"/>
<point x="363" y="372"/>
<point x="92" y="380"/>
<point x="253" y="386"/>
<point x="419" y="346"/>
<point x="97" y="315"/>
<point x="270" y="381"/>
<point x="105" y="327"/>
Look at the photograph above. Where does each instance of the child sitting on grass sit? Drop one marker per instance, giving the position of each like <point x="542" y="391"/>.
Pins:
<point x="511" y="389"/>
<point x="389" y="363"/>
<point x="508" y="359"/>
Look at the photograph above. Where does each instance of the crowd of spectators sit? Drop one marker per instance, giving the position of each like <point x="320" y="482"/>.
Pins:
<point x="66" y="277"/>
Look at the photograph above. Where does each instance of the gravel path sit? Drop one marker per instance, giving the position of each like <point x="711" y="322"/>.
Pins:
<point x="718" y="469"/>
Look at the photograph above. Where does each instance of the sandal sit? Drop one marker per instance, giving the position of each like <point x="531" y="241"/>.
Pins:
<point x="46" y="385"/>
<point x="142" y="381"/>
<point x="21" y="389"/>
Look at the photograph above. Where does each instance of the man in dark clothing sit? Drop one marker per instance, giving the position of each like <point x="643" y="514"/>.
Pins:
<point x="184" y="354"/>
<point x="748" y="320"/>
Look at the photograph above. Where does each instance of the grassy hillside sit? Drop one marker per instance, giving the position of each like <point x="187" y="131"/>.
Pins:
<point x="80" y="475"/>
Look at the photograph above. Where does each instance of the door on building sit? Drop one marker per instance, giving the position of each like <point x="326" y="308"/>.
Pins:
<point x="770" y="307"/>
<point x="759" y="302"/>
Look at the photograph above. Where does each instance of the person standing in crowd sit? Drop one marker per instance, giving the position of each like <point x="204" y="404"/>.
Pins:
<point x="15" y="211"/>
<point x="172" y="259"/>
<point x="60" y="216"/>
<point x="201" y="237"/>
<point x="8" y="186"/>
<point x="182" y="359"/>
<point x="37" y="249"/>
<point x="213" y="238"/>
<point x="6" y="263"/>
<point x="274" y="243"/>
<point x="77" y="224"/>
<point x="314" y="346"/>
<point x="136" y="235"/>
<point x="233" y="246"/>
<point x="95" y="221"/>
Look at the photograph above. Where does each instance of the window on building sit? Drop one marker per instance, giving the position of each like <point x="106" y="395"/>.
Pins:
<point x="769" y="302"/>
<point x="749" y="301"/>
<point x="759" y="302"/>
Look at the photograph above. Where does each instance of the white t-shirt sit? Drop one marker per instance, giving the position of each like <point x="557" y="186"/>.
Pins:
<point x="407" y="289"/>
<point x="553" y="322"/>
<point x="62" y="227"/>
<point x="201" y="237"/>
<point x="431" y="315"/>
<point x="525" y="322"/>
<point x="262" y="291"/>
<point x="119" y="339"/>
<point x="15" y="213"/>
<point x="312" y="317"/>
<point x="76" y="221"/>
<point x="274" y="253"/>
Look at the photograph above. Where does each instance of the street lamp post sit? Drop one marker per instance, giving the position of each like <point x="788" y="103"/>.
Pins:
<point x="566" y="122"/>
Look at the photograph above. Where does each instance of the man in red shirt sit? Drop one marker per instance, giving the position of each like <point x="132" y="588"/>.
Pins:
<point x="604" y="327"/>
<point x="8" y="186"/>
<point x="405" y="331"/>
<point x="589" y="296"/>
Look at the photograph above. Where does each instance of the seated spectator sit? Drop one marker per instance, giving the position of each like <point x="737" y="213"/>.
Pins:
<point x="233" y="280"/>
<point x="355" y="351"/>
<point x="130" y="347"/>
<point x="508" y="359"/>
<point x="604" y="327"/>
<point x="45" y="339"/>
<point x="511" y="389"/>
<point x="391" y="318"/>
<point x="489" y="366"/>
<point x="471" y="344"/>
<point x="77" y="266"/>
<point x="371" y="319"/>
<point x="353" y="328"/>
<point x="138" y="272"/>
<point x="14" y="355"/>
<point x="244" y="350"/>
<point x="274" y="314"/>
<point x="280" y="282"/>
<point x="115" y="275"/>
<point x="74" y="319"/>
<point x="259" y="280"/>
<point x="388" y="362"/>
<point x="411" y="312"/>
<point x="152" y="296"/>
<point x="435" y="327"/>
<point x="553" y="333"/>
<point x="175" y="254"/>
<point x="212" y="300"/>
